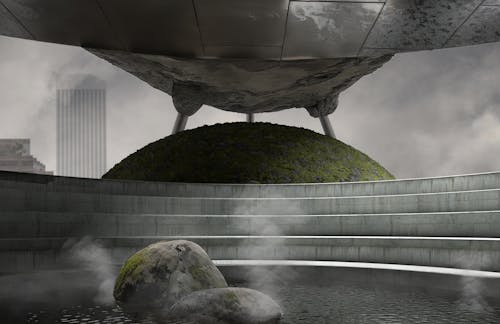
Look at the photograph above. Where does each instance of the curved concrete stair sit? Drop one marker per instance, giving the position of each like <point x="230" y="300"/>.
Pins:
<point x="476" y="200"/>
<point x="451" y="252"/>
<point x="442" y="222"/>
<point x="45" y="183"/>
<point x="15" y="224"/>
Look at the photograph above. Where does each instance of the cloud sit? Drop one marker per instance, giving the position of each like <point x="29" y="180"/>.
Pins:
<point x="422" y="114"/>
<point x="428" y="113"/>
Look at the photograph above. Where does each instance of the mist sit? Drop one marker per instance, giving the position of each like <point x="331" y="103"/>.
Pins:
<point x="92" y="257"/>
<point x="270" y="280"/>
<point x="472" y="293"/>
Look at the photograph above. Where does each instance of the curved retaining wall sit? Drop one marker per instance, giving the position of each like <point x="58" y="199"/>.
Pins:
<point x="20" y="255"/>
<point x="34" y="182"/>
<point x="444" y="222"/>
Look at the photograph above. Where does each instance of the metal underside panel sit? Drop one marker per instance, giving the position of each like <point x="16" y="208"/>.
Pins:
<point x="256" y="29"/>
<point x="75" y="22"/>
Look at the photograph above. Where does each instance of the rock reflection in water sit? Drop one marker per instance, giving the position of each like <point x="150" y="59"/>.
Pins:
<point x="342" y="303"/>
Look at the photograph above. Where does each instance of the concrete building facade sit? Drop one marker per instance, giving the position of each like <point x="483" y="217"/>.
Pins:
<point x="81" y="127"/>
<point x="15" y="156"/>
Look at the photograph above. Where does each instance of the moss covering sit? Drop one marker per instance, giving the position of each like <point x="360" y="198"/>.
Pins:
<point x="131" y="269"/>
<point x="231" y="298"/>
<point x="248" y="153"/>
<point x="200" y="274"/>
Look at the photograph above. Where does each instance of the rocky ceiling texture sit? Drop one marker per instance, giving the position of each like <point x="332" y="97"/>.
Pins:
<point x="247" y="86"/>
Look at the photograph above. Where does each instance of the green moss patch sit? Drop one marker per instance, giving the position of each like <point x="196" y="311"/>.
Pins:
<point x="131" y="269"/>
<point x="230" y="298"/>
<point x="199" y="274"/>
<point x="248" y="153"/>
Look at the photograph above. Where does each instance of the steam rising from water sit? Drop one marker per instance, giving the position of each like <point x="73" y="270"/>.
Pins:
<point x="93" y="257"/>
<point x="472" y="297"/>
<point x="268" y="279"/>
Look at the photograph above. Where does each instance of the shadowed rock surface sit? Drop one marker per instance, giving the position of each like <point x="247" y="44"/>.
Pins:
<point x="162" y="273"/>
<point x="248" y="153"/>
<point x="225" y="306"/>
<point x="245" y="86"/>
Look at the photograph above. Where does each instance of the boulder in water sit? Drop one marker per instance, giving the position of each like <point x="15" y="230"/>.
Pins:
<point x="163" y="273"/>
<point x="224" y="306"/>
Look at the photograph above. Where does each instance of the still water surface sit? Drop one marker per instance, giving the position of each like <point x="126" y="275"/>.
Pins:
<point x="332" y="303"/>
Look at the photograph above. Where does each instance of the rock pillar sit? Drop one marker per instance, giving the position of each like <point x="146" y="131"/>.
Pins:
<point x="322" y="109"/>
<point x="187" y="102"/>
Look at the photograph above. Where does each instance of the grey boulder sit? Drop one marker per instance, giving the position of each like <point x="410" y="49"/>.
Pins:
<point x="224" y="306"/>
<point x="162" y="273"/>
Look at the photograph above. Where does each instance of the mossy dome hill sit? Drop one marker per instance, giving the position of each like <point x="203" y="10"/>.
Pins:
<point x="248" y="153"/>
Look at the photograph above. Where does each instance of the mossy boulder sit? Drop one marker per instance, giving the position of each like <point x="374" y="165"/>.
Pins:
<point x="224" y="306"/>
<point x="162" y="273"/>
<point x="248" y="153"/>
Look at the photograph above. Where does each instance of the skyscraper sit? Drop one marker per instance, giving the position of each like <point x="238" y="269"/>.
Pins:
<point x="81" y="126"/>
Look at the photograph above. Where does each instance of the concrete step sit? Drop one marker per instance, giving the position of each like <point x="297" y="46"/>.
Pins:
<point x="31" y="182"/>
<point x="478" y="200"/>
<point x="66" y="224"/>
<point x="455" y="252"/>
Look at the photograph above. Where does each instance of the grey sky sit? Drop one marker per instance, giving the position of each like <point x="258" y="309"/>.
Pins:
<point x="422" y="114"/>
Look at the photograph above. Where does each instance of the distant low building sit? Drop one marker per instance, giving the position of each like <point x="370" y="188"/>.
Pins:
<point x="15" y="156"/>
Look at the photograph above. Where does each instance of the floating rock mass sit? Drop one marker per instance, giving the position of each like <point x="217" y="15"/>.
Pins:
<point x="178" y="282"/>
<point x="246" y="86"/>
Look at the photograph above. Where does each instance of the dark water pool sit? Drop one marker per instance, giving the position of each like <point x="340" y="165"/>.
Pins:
<point x="322" y="298"/>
